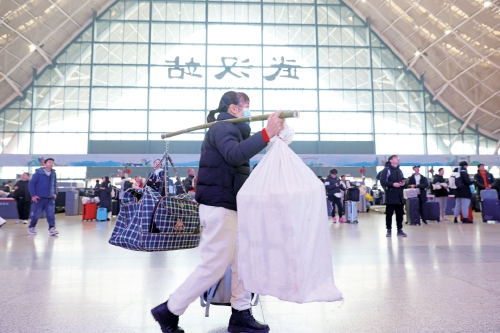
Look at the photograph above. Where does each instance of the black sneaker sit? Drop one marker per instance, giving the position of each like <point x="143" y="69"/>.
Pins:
<point x="169" y="322"/>
<point x="388" y="233"/>
<point x="244" y="322"/>
<point x="401" y="233"/>
<point x="466" y="221"/>
<point x="425" y="222"/>
<point x="455" y="220"/>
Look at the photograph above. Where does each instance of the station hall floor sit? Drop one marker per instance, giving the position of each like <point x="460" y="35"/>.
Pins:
<point x="444" y="277"/>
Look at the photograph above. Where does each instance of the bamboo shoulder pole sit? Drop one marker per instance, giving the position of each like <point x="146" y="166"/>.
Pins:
<point x="284" y="115"/>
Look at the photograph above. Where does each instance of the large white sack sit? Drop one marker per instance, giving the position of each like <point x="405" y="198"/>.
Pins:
<point x="283" y="231"/>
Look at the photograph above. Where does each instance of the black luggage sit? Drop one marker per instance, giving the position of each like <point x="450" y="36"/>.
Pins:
<point x="432" y="211"/>
<point x="490" y="210"/>
<point x="412" y="211"/>
<point x="475" y="202"/>
<point x="352" y="194"/>
<point x="115" y="208"/>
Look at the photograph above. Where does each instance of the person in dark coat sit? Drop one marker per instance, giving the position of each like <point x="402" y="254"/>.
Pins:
<point x="188" y="181"/>
<point x="23" y="198"/>
<point x="482" y="180"/>
<point x="223" y="169"/>
<point x="333" y="188"/>
<point x="440" y="190"/>
<point x="393" y="182"/>
<point x="463" y="194"/>
<point x="105" y="195"/>
<point x="420" y="181"/>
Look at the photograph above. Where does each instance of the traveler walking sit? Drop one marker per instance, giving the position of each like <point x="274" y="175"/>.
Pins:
<point x="224" y="167"/>
<point x="43" y="190"/>
<point x="393" y="182"/>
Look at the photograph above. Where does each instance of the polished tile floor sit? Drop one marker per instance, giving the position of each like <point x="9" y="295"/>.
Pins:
<point x="443" y="278"/>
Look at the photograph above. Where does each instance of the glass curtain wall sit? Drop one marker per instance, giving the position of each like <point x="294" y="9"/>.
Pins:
<point x="149" y="67"/>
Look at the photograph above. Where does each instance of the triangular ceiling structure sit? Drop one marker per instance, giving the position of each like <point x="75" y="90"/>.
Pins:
<point x="454" y="44"/>
<point x="33" y="33"/>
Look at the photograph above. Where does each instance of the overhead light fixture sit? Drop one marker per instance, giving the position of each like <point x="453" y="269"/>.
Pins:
<point x="350" y="18"/>
<point x="32" y="47"/>
<point x="417" y="53"/>
<point x="447" y="32"/>
<point x="487" y="3"/>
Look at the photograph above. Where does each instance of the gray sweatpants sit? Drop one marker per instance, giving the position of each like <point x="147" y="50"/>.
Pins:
<point x="442" y="205"/>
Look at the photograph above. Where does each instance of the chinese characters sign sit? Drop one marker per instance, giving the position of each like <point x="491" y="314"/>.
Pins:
<point x="233" y="66"/>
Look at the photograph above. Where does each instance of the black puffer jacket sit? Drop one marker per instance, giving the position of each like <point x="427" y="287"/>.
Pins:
<point x="393" y="195"/>
<point x="464" y="191"/>
<point x="442" y="192"/>
<point x="225" y="162"/>
<point x="479" y="181"/>
<point x="333" y="185"/>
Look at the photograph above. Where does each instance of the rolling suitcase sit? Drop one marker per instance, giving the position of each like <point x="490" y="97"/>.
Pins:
<point x="432" y="211"/>
<point x="102" y="214"/>
<point x="89" y="211"/>
<point x="412" y="211"/>
<point x="351" y="211"/>
<point x="490" y="210"/>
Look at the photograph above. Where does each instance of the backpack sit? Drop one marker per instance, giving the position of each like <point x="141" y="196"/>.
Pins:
<point x="457" y="180"/>
<point x="126" y="185"/>
<point x="220" y="293"/>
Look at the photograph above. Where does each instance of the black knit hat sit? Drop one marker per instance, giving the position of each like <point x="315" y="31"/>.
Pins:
<point x="463" y="163"/>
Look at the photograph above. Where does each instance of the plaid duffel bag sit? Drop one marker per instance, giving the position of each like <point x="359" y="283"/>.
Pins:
<point x="148" y="222"/>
